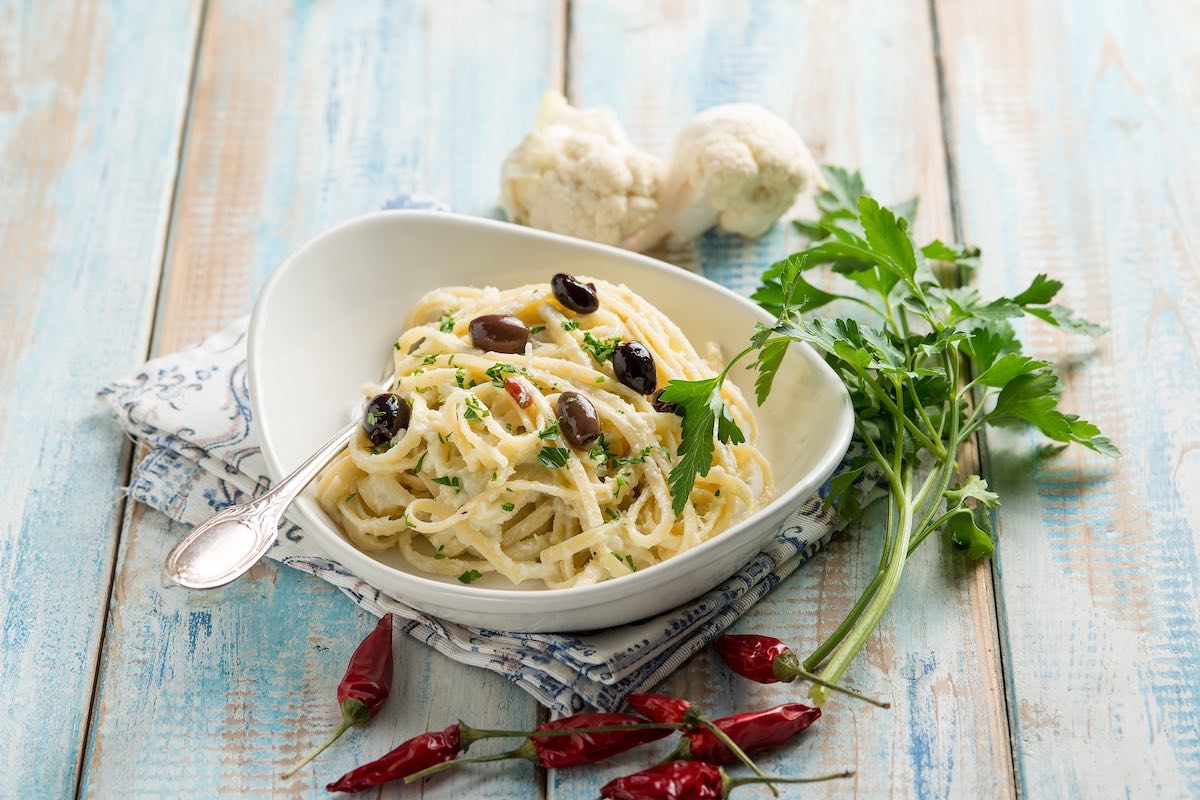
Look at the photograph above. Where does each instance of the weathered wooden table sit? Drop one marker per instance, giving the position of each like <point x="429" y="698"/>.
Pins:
<point x="158" y="159"/>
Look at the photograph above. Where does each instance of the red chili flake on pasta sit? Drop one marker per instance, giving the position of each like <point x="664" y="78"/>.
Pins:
<point x="517" y="392"/>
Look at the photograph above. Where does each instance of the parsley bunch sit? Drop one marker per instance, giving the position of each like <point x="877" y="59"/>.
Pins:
<point x="927" y="366"/>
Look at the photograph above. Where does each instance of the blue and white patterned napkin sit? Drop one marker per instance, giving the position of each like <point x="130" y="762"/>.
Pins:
<point x="192" y="409"/>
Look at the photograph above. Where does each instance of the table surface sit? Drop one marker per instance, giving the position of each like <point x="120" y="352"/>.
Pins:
<point x="158" y="159"/>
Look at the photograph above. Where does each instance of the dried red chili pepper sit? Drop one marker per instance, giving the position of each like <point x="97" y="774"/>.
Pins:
<point x="588" y="748"/>
<point x="568" y="742"/>
<point x="663" y="708"/>
<point x="752" y="731"/>
<point x="365" y="686"/>
<point x="688" y="780"/>
<point x="416" y="754"/>
<point x="768" y="660"/>
<point x="517" y="392"/>
<point x="659" y="707"/>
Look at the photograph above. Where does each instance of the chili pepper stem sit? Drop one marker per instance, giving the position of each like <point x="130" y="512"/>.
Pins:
<point x="733" y="783"/>
<point x="316" y="751"/>
<point x="787" y="668"/>
<point x="469" y="735"/>
<point x="740" y="753"/>
<point x="520" y="752"/>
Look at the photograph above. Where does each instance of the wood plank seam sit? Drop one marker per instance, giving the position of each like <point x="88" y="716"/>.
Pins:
<point x="977" y="450"/>
<point x="125" y="470"/>
<point x="173" y="211"/>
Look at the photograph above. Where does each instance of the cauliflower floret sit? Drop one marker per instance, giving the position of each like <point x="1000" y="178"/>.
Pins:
<point x="736" y="166"/>
<point x="576" y="173"/>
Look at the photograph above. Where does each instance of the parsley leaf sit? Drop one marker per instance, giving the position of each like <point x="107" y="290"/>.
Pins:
<point x="447" y="324"/>
<point x="601" y="349"/>
<point x="507" y="506"/>
<point x="1040" y="292"/>
<point x="569" y="325"/>
<point x="475" y="410"/>
<point x="554" y="457"/>
<point x="470" y="576"/>
<point x="417" y="468"/>
<point x="599" y="450"/>
<point x="701" y="406"/>
<point x="498" y="370"/>
<point x="446" y="480"/>
<point x="1033" y="398"/>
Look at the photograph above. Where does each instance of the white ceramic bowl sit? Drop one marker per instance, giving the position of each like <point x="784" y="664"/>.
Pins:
<point x="325" y="322"/>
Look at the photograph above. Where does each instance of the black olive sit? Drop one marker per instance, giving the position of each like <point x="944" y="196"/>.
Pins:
<point x="579" y="297"/>
<point x="499" y="333"/>
<point x="634" y="367"/>
<point x="387" y="414"/>
<point x="577" y="419"/>
<point x="659" y="405"/>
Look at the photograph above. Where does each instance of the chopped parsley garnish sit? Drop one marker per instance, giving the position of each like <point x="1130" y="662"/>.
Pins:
<point x="570" y="325"/>
<point x="439" y="555"/>
<point x="408" y="521"/>
<point x="496" y="372"/>
<point x="611" y="514"/>
<point x="351" y="496"/>
<point x="375" y="417"/>
<point x="621" y="481"/>
<point x="493" y="474"/>
<point x="396" y="345"/>
<point x="599" y="379"/>
<point x="536" y="329"/>
<point x="445" y="480"/>
<point x="430" y="359"/>
<point x="601" y="349"/>
<point x="554" y="456"/>
<point x="470" y="576"/>
<point x="447" y="325"/>
<point x="717" y="493"/>
<point x="507" y="506"/>
<point x="599" y="450"/>
<point x="625" y="559"/>
<point x="550" y="431"/>
<point x="475" y="409"/>
<point x="640" y="458"/>
<point x="460" y="377"/>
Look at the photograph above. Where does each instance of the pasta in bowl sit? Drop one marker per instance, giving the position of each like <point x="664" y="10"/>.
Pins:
<point x="330" y="317"/>
<point x="545" y="464"/>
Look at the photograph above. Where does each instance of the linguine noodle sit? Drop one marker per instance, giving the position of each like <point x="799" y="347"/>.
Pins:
<point x="476" y="484"/>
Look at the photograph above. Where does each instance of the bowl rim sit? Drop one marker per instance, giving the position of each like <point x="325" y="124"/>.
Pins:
<point x="349" y="555"/>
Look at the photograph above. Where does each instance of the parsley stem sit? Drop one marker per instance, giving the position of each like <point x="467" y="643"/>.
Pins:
<point x="857" y="638"/>
<point x="879" y="457"/>
<point x="902" y="546"/>
<point x="936" y="448"/>
<point x="826" y="647"/>
<point x="929" y="429"/>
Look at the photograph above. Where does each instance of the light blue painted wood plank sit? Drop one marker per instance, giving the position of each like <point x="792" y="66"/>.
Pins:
<point x="1075" y="141"/>
<point x="304" y="115"/>
<point x="91" y="106"/>
<point x="857" y="80"/>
